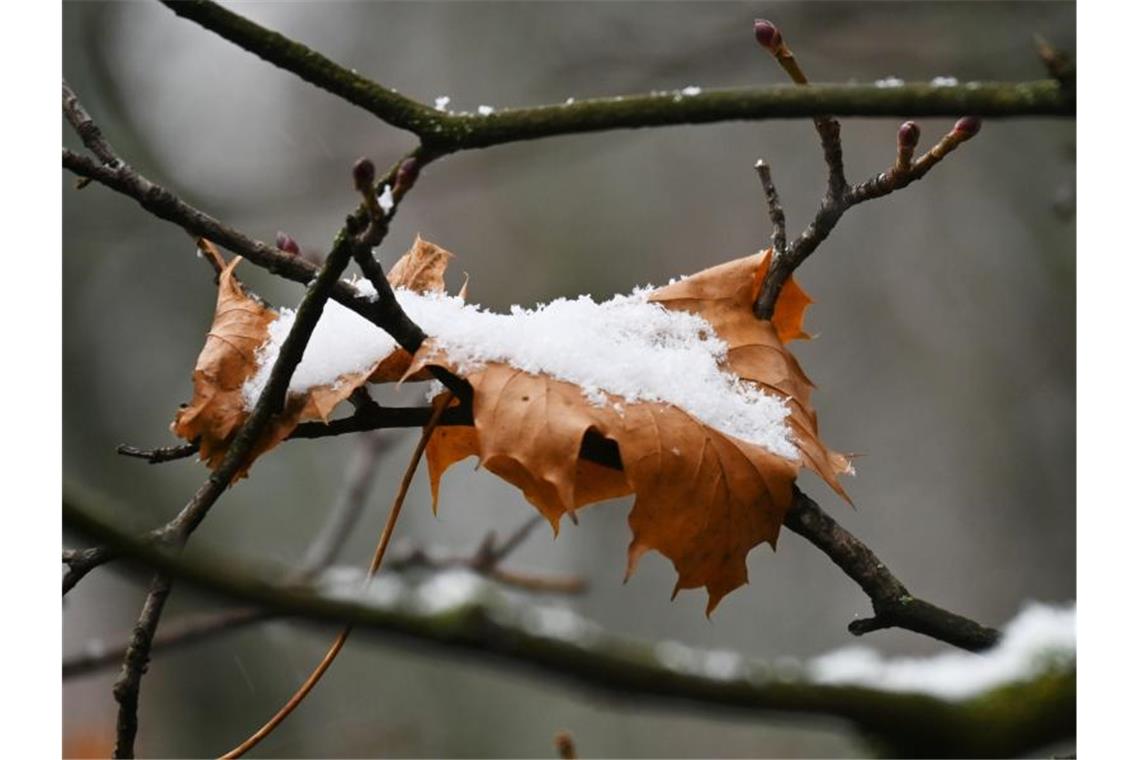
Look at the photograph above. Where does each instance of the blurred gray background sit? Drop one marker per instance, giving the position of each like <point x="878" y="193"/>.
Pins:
<point x="945" y="314"/>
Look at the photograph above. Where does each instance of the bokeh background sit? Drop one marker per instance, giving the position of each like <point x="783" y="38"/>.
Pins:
<point x="945" y="354"/>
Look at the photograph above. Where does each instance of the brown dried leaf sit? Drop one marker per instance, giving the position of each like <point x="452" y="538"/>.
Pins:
<point x="703" y="499"/>
<point x="228" y="359"/>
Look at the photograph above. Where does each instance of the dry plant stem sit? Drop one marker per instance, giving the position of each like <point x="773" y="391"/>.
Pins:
<point x="448" y="133"/>
<point x="377" y="558"/>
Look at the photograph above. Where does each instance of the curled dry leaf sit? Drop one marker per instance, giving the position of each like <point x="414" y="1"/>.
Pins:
<point x="230" y="358"/>
<point x="704" y="498"/>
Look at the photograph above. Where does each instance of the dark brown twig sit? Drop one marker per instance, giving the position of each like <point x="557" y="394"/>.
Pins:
<point x="775" y="210"/>
<point x="840" y="196"/>
<point x="82" y="561"/>
<point x="893" y="605"/>
<point x="135" y="661"/>
<point x="160" y="454"/>
<point x="87" y="129"/>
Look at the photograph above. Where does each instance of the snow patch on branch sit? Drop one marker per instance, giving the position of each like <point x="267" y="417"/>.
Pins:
<point x="1039" y="637"/>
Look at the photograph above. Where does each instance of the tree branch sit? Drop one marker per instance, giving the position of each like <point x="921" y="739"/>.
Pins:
<point x="447" y="132"/>
<point x="486" y="562"/>
<point x="893" y="604"/>
<point x="1018" y="717"/>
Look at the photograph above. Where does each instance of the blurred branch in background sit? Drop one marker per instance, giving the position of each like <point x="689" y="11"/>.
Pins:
<point x="459" y="612"/>
<point x="445" y="132"/>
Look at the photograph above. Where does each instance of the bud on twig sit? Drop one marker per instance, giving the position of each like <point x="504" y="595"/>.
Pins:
<point x="287" y="243"/>
<point x="364" y="175"/>
<point x="406" y="175"/>
<point x="908" y="135"/>
<point x="767" y="34"/>
<point x="908" y="141"/>
<point x="967" y="127"/>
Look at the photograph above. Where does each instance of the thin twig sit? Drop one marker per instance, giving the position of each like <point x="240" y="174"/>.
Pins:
<point x="775" y="210"/>
<point x="840" y="196"/>
<point x="135" y="660"/>
<point x="82" y="561"/>
<point x="87" y="129"/>
<point x="160" y="454"/>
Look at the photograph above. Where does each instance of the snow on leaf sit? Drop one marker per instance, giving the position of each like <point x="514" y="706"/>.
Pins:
<point x="705" y="412"/>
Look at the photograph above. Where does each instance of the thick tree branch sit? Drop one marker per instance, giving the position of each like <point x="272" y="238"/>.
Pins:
<point x="1018" y="717"/>
<point x="452" y="132"/>
<point x="485" y="561"/>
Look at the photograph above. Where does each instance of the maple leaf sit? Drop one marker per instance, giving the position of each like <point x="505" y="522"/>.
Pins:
<point x="704" y="498"/>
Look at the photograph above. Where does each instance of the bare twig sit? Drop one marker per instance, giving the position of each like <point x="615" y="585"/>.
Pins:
<point x="775" y="210"/>
<point x="160" y="454"/>
<point x="893" y="604"/>
<point x="840" y="196"/>
<point x="82" y="561"/>
<point x="87" y="129"/>
<point x="135" y="660"/>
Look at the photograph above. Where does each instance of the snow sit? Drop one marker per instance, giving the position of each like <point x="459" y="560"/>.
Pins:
<point x="944" y="81"/>
<point x="448" y="591"/>
<point x="691" y="90"/>
<point x="889" y="82"/>
<point x="441" y="102"/>
<point x="387" y="202"/>
<point x="485" y="110"/>
<point x="1038" y="637"/>
<point x="625" y="349"/>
